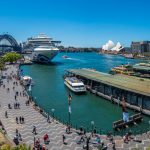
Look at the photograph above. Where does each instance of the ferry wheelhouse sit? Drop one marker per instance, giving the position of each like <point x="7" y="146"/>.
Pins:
<point x="75" y="84"/>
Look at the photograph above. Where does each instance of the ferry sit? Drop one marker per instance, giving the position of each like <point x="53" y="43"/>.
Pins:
<point x="75" y="84"/>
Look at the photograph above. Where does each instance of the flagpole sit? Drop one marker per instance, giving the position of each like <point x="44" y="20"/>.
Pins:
<point x="69" y="114"/>
<point x="69" y="109"/>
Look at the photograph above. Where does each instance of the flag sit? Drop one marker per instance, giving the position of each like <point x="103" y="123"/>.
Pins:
<point x="69" y="97"/>
<point x="69" y="109"/>
<point x="125" y="116"/>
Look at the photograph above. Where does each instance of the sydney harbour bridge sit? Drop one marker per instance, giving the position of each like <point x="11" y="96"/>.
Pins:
<point x="8" y="43"/>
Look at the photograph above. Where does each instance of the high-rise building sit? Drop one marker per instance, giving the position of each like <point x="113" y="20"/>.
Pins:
<point x="142" y="47"/>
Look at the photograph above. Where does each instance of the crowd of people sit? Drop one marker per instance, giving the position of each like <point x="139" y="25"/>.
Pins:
<point x="84" y="139"/>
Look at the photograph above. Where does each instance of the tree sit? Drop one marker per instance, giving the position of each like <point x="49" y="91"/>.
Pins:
<point x="11" y="57"/>
<point x="2" y="64"/>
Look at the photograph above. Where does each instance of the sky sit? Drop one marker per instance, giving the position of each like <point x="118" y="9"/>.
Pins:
<point x="80" y="23"/>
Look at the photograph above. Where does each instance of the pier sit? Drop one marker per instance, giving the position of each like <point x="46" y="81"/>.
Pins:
<point x="120" y="124"/>
<point x="136" y="91"/>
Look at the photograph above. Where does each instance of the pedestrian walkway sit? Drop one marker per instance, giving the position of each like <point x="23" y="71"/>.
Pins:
<point x="55" y="130"/>
<point x="32" y="118"/>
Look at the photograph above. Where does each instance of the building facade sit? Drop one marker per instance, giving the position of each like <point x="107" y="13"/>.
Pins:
<point x="142" y="47"/>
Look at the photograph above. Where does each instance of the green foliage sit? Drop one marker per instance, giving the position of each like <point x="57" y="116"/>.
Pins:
<point x="2" y="64"/>
<point x="20" y="147"/>
<point x="5" y="147"/>
<point x="11" y="57"/>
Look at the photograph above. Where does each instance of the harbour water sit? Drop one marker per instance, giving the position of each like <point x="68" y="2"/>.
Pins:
<point x="50" y="91"/>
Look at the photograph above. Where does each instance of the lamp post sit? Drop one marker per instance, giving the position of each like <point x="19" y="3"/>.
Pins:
<point x="35" y="100"/>
<point x="53" y="110"/>
<point x="92" y="124"/>
<point x="149" y="127"/>
<point x="34" y="141"/>
<point x="69" y="107"/>
<point x="30" y="89"/>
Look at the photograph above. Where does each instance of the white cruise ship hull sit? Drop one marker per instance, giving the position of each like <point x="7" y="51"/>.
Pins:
<point x="44" y="56"/>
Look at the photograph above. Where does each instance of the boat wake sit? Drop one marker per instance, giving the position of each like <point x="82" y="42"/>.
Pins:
<point x="73" y="58"/>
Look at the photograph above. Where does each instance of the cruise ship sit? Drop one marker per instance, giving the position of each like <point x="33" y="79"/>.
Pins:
<point x="43" y="48"/>
<point x="75" y="84"/>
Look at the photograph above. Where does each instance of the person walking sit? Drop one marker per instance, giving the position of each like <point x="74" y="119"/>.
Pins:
<point x="6" y="115"/>
<point x="34" y="130"/>
<point x="19" y="105"/>
<point x="17" y="120"/>
<point x="20" y="119"/>
<point x="63" y="138"/>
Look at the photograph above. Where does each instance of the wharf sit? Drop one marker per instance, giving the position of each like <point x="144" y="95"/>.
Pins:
<point x="135" y="90"/>
<point x="120" y="124"/>
<point x="133" y="84"/>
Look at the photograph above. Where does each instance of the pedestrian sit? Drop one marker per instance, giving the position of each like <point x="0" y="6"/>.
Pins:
<point x="13" y="88"/>
<point x="20" y="93"/>
<point x="17" y="120"/>
<point x="7" y="89"/>
<point x="6" y="115"/>
<point x="48" y="119"/>
<point x="63" y="138"/>
<point x="19" y="105"/>
<point x="82" y="139"/>
<point x="34" y="130"/>
<point x="19" y="137"/>
<point x="15" y="97"/>
<point x="9" y="106"/>
<point x="14" y="105"/>
<point x="4" y="86"/>
<point x="17" y="132"/>
<point x="17" y="93"/>
<point x="20" y="119"/>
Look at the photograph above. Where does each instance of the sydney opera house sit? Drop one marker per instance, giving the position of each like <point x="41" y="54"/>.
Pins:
<point x="110" y="47"/>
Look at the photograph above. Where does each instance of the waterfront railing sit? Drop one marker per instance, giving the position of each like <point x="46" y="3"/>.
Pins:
<point x="77" y="127"/>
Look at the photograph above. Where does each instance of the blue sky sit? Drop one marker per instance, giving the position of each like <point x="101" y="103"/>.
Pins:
<point x="81" y="23"/>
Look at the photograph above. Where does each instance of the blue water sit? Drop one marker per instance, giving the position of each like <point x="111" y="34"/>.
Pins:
<point x="50" y="91"/>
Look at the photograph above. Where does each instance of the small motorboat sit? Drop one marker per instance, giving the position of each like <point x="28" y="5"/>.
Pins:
<point x="65" y="56"/>
<point x="27" y="80"/>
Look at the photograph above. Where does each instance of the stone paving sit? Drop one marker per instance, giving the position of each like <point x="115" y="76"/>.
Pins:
<point x="54" y="129"/>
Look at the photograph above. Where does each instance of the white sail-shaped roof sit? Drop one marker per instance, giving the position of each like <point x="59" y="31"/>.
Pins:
<point x="110" y="46"/>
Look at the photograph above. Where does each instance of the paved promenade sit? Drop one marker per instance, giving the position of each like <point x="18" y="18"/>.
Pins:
<point x="54" y="129"/>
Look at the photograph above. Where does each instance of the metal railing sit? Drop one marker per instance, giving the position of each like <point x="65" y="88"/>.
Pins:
<point x="77" y="127"/>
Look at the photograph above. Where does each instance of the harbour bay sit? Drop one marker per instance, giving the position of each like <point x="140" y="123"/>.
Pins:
<point x="50" y="91"/>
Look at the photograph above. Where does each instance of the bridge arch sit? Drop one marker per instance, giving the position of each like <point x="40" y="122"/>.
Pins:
<point x="13" y="45"/>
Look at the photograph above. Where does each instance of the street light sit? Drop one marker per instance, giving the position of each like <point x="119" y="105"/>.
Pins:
<point x="35" y="100"/>
<point x="149" y="127"/>
<point x="34" y="139"/>
<point x="53" y="112"/>
<point x="92" y="124"/>
<point x="69" y="107"/>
